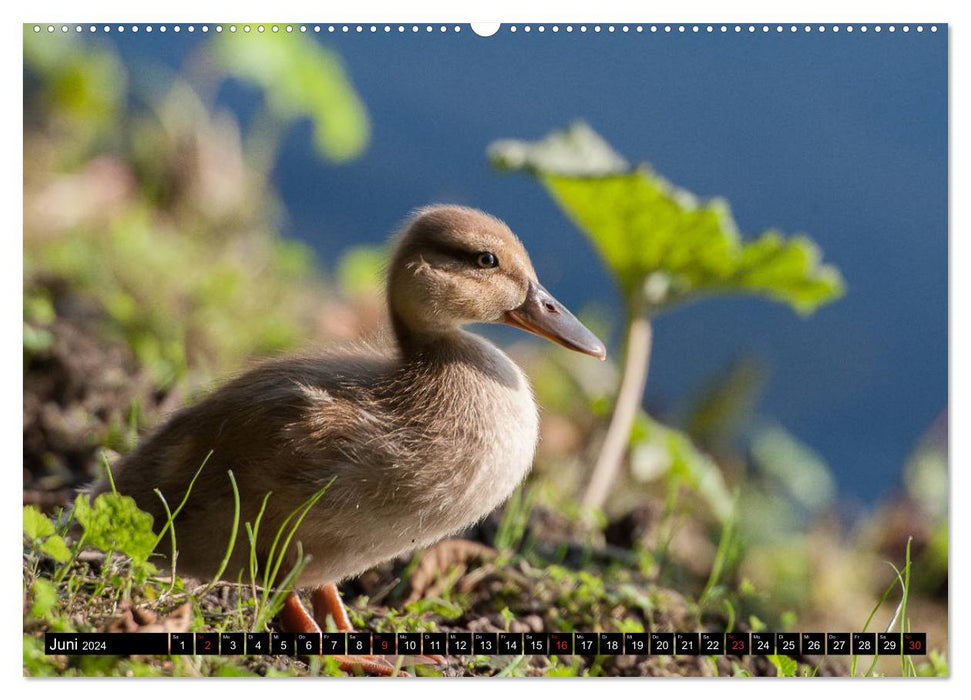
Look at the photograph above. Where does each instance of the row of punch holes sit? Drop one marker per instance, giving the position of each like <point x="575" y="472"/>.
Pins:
<point x="414" y="28"/>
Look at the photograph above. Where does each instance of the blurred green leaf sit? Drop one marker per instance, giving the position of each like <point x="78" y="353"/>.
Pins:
<point x="662" y="243"/>
<point x="83" y="86"/>
<point x="936" y="665"/>
<point x="925" y="473"/>
<point x="44" y="595"/>
<point x="759" y="505"/>
<point x="657" y="449"/>
<point x="228" y="670"/>
<point x="725" y="404"/>
<point x="38" y="307"/>
<point x="793" y="466"/>
<point x="36" y="662"/>
<point x="36" y="524"/>
<point x="300" y="78"/>
<point x="55" y="548"/>
<point x="361" y="269"/>
<point x="784" y="666"/>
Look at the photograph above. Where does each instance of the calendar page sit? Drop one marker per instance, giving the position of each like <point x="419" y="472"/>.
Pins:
<point x="532" y="349"/>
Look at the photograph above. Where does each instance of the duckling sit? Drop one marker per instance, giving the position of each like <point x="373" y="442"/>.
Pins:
<point x="411" y="444"/>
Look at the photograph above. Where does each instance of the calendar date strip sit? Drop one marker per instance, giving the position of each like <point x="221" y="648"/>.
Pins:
<point x="488" y="643"/>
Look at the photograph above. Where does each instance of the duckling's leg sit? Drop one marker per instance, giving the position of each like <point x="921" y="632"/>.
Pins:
<point x="327" y="601"/>
<point x="295" y="618"/>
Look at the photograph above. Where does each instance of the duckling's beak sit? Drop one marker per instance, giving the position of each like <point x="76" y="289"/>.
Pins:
<point x="546" y="317"/>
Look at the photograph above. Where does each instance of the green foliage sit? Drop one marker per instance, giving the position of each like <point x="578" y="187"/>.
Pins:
<point x="182" y="253"/>
<point x="36" y="662"/>
<point x="177" y="298"/>
<point x="232" y="535"/>
<point x="40" y="533"/>
<point x="56" y="549"/>
<point x="36" y="524"/>
<point x="361" y="269"/>
<point x="515" y="518"/>
<point x="725" y="558"/>
<point x="446" y="609"/>
<point x="721" y="410"/>
<point x="902" y="578"/>
<point x="657" y="450"/>
<point x="83" y="89"/>
<point x="784" y="666"/>
<point x="794" y="468"/>
<point x="36" y="339"/>
<point x="559" y="669"/>
<point x="926" y="473"/>
<point x="300" y="78"/>
<point x="44" y="597"/>
<point x="38" y="312"/>
<point x="113" y="523"/>
<point x="662" y="244"/>
<point x="936" y="665"/>
<point x="274" y="588"/>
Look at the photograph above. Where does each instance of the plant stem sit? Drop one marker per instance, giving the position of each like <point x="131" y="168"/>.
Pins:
<point x="629" y="397"/>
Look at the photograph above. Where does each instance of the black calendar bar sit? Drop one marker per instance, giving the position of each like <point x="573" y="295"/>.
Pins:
<point x="487" y="644"/>
<point x="106" y="644"/>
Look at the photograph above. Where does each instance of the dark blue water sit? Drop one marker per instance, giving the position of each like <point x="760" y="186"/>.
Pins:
<point x="841" y="136"/>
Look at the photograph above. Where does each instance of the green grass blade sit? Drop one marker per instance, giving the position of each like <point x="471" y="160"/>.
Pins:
<point x="171" y="527"/>
<point x="302" y="510"/>
<point x="184" y="498"/>
<point x="111" y="479"/>
<point x="232" y="535"/>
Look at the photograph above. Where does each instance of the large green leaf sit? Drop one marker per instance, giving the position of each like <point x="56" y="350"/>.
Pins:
<point x="663" y="244"/>
<point x="300" y="78"/>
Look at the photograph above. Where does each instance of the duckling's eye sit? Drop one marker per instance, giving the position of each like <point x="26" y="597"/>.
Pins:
<point x="486" y="260"/>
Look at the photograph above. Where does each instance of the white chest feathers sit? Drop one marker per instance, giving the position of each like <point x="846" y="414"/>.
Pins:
<point x="494" y="428"/>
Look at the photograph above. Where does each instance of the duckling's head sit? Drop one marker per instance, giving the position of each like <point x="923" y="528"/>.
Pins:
<point x="455" y="265"/>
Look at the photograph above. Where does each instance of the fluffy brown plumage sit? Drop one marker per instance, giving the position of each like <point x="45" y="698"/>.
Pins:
<point x="416" y="443"/>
